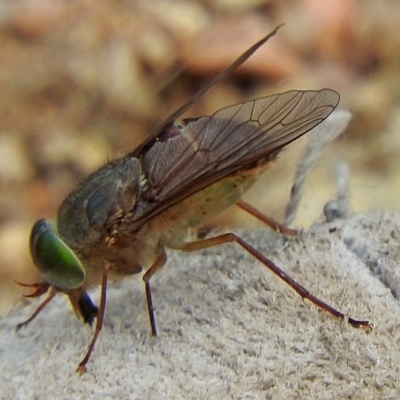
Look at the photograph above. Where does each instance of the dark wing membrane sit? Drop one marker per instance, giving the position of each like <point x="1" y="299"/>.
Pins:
<point x="188" y="158"/>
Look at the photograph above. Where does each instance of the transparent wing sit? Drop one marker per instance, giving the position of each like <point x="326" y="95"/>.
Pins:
<point x="188" y="157"/>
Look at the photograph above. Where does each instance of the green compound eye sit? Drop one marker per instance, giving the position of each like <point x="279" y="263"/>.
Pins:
<point x="57" y="263"/>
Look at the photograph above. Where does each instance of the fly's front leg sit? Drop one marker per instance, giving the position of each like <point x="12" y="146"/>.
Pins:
<point x="99" y="322"/>
<point x="41" y="306"/>
<point x="303" y="292"/>
<point x="158" y="264"/>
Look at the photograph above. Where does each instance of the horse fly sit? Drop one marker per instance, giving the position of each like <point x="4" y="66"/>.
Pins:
<point x="121" y="218"/>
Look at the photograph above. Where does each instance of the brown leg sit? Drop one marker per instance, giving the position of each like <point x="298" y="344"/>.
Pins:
<point x="158" y="264"/>
<point x="39" y="309"/>
<point x="276" y="226"/>
<point x="304" y="293"/>
<point x="99" y="323"/>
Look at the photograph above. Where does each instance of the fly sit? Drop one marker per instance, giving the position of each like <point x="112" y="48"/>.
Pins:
<point x="121" y="218"/>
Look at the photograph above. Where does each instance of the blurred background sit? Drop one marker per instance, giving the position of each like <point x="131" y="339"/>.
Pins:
<point x="84" y="81"/>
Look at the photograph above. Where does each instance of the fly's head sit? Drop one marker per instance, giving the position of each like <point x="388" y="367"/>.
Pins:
<point x="60" y="268"/>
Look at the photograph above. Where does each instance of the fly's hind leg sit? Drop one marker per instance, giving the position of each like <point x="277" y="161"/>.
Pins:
<point x="157" y="265"/>
<point x="276" y="226"/>
<point x="303" y="292"/>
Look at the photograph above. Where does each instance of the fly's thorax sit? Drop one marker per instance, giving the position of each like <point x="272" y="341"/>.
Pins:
<point x="90" y="211"/>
